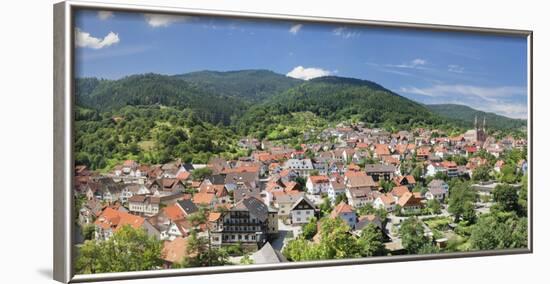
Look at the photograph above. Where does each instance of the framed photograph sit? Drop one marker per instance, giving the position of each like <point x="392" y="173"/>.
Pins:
<point x="200" y="141"/>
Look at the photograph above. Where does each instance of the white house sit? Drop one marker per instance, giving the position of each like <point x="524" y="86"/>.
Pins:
<point x="345" y="212"/>
<point x="147" y="205"/>
<point x="172" y="231"/>
<point x="131" y="190"/>
<point x="336" y="187"/>
<point x="361" y="197"/>
<point x="437" y="189"/>
<point x="111" y="220"/>
<point x="317" y="184"/>
<point x="386" y="201"/>
<point x="302" y="211"/>
<point x="301" y="166"/>
<point x="447" y="167"/>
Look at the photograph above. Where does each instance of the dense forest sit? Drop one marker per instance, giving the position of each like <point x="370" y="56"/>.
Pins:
<point x="253" y="85"/>
<point x="339" y="99"/>
<point x="155" y="118"/>
<point x="154" y="89"/>
<point x="150" y="134"/>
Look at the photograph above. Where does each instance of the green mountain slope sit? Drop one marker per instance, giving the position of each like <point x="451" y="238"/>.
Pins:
<point x="154" y="89"/>
<point x="254" y="85"/>
<point x="465" y="116"/>
<point x="337" y="99"/>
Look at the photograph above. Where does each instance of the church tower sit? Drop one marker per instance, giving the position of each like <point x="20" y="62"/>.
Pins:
<point x="480" y="132"/>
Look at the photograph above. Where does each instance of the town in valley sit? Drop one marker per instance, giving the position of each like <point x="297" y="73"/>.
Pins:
<point x="356" y="192"/>
<point x="208" y="141"/>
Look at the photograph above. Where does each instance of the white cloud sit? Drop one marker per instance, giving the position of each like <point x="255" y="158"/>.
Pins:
<point x="344" y="32"/>
<point x="84" y="39"/>
<point x="104" y="15"/>
<point x="455" y="68"/>
<point x="510" y="101"/>
<point x="299" y="72"/>
<point x="417" y="63"/>
<point x="162" y="20"/>
<point x="295" y="29"/>
<point x="486" y="93"/>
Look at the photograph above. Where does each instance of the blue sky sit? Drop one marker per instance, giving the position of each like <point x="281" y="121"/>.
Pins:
<point x="485" y="72"/>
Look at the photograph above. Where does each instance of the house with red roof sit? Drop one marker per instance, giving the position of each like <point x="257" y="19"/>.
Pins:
<point x="386" y="201"/>
<point x="407" y="181"/>
<point x="345" y="212"/>
<point x="112" y="220"/>
<point x="317" y="184"/>
<point x="410" y="202"/>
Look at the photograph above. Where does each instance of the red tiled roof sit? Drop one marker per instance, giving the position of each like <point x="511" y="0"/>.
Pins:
<point x="174" y="212"/>
<point x="399" y="191"/>
<point x="183" y="175"/>
<point x="408" y="199"/>
<point x="448" y="164"/>
<point x="387" y="199"/>
<point x="319" y="179"/>
<point x="203" y="198"/>
<point x="111" y="218"/>
<point x="342" y="207"/>
<point x="381" y="149"/>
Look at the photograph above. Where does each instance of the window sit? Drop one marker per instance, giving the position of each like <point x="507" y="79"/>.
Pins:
<point x="298" y="219"/>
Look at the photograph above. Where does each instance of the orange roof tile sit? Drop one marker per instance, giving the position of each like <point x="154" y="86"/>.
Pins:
<point x="342" y="207"/>
<point x="183" y="175"/>
<point x="319" y="179"/>
<point x="399" y="191"/>
<point x="174" y="212"/>
<point x="111" y="218"/>
<point x="203" y="198"/>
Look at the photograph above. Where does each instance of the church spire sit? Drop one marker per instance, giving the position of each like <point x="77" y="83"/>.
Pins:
<point x="475" y="122"/>
<point x="484" y="123"/>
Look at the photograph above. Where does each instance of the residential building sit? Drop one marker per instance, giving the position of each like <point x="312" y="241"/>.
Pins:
<point x="386" y="201"/>
<point x="337" y="187"/>
<point x="409" y="202"/>
<point x="345" y="212"/>
<point x="144" y="204"/>
<point x="112" y="220"/>
<point x="249" y="221"/>
<point x="380" y="171"/>
<point x="317" y="184"/>
<point x="301" y="166"/>
<point x="302" y="210"/>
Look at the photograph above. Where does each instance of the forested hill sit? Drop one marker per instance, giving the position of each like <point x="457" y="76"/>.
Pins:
<point x="154" y="89"/>
<point x="465" y="116"/>
<point x="253" y="85"/>
<point x="339" y="99"/>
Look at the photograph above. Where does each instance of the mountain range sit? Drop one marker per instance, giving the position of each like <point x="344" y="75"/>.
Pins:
<point x="249" y="98"/>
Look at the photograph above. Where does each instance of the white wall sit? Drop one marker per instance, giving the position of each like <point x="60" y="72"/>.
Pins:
<point x="26" y="143"/>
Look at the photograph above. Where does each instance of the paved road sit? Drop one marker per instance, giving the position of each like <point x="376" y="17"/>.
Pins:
<point x="279" y="242"/>
<point x="284" y="229"/>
